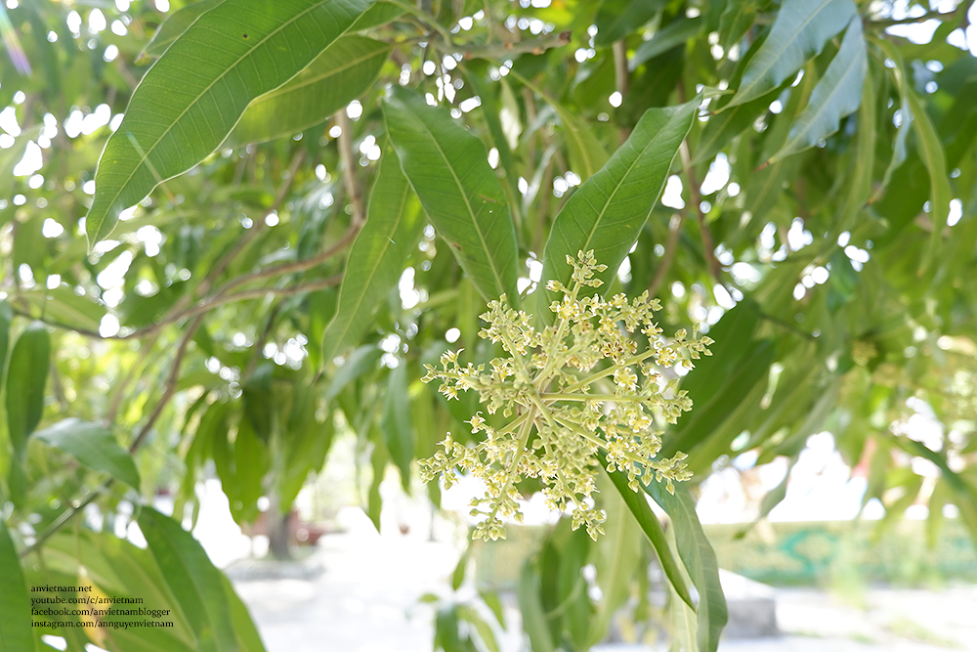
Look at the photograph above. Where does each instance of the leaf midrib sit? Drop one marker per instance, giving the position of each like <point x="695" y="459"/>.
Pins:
<point x="196" y="100"/>
<point x="464" y="196"/>
<point x="288" y="88"/>
<point x="780" y="52"/>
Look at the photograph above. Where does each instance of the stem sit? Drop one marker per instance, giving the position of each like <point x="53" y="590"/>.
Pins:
<point x="527" y="429"/>
<point x="593" y="397"/>
<point x="610" y="370"/>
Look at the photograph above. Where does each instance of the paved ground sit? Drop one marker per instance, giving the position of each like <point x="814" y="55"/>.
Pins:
<point x="366" y="601"/>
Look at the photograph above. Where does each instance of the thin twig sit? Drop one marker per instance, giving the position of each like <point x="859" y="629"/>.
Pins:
<point x="255" y="230"/>
<point x="715" y="269"/>
<point x="622" y="79"/>
<point x="674" y="230"/>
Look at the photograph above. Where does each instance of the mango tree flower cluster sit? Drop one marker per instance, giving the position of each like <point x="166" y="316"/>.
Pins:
<point x="564" y="405"/>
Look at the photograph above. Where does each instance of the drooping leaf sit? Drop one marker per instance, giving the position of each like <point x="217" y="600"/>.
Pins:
<point x="643" y="514"/>
<point x="863" y="161"/>
<point x="359" y="362"/>
<point x="191" y="99"/>
<point x="674" y="34"/>
<point x="15" y="605"/>
<point x="378" y="462"/>
<point x="393" y="228"/>
<point x="63" y="306"/>
<point x="448" y="168"/>
<point x="6" y="316"/>
<point x="175" y="25"/>
<point x="934" y="158"/>
<point x="195" y="583"/>
<point x="248" y="638"/>
<point x="343" y="72"/>
<point x="587" y="154"/>
<point x="835" y="96"/>
<point x="799" y="32"/>
<point x="684" y="617"/>
<point x="93" y="446"/>
<point x="26" y="378"/>
<point x="398" y="430"/>
<point x="607" y="212"/>
<point x="533" y="615"/>
<point x="618" y="18"/>
<point x="617" y="560"/>
<point x="699" y="560"/>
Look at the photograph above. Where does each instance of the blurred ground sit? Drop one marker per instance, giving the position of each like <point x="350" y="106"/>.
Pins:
<point x="366" y="601"/>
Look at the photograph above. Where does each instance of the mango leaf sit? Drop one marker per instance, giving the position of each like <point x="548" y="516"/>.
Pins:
<point x="398" y="430"/>
<point x="358" y="362"/>
<point x="26" y="378"/>
<point x="93" y="446"/>
<point x="699" y="559"/>
<point x="863" y="161"/>
<point x="587" y="154"/>
<point x="533" y="615"/>
<point x="393" y="228"/>
<point x="643" y="514"/>
<point x="63" y="306"/>
<point x="672" y="35"/>
<point x="378" y="462"/>
<point x="195" y="583"/>
<point x="379" y="13"/>
<point x="799" y="32"/>
<point x="934" y="158"/>
<point x="194" y="95"/>
<point x="248" y="638"/>
<point x="174" y="26"/>
<point x="448" y="168"/>
<point x="15" y="605"/>
<point x="6" y="316"/>
<point x="618" y="558"/>
<point x="684" y="617"/>
<point x="618" y="18"/>
<point x="343" y="72"/>
<point x="607" y="212"/>
<point x="835" y="96"/>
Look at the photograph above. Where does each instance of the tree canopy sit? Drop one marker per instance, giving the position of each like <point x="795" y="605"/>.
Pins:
<point x="232" y="229"/>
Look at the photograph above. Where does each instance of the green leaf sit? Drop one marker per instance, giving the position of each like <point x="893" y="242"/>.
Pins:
<point x="26" y="378"/>
<point x="801" y="29"/>
<point x="835" y="96"/>
<point x="448" y="168"/>
<point x="15" y="605"/>
<point x="6" y="316"/>
<point x="699" y="559"/>
<point x="378" y="462"/>
<point x="643" y="514"/>
<point x="191" y="99"/>
<point x="934" y="158"/>
<point x="248" y="638"/>
<point x="684" y="617"/>
<point x="195" y="583"/>
<point x="587" y="154"/>
<point x="379" y="14"/>
<point x="531" y="607"/>
<point x="608" y="211"/>
<point x="398" y="430"/>
<point x="175" y="25"/>
<point x="360" y="361"/>
<point x="65" y="307"/>
<point x="393" y="228"/>
<point x="93" y="446"/>
<point x="618" y="558"/>
<point x="342" y="73"/>
<point x="619" y="18"/>
<point x="863" y="161"/>
<point x="672" y="35"/>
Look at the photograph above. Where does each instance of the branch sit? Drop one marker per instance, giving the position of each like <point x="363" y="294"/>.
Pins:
<point x="349" y="167"/>
<point x="622" y="79"/>
<point x="255" y="230"/>
<point x="715" y="269"/>
<point x="509" y="49"/>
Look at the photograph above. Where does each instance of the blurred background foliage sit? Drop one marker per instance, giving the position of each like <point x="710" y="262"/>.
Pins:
<point x="817" y="221"/>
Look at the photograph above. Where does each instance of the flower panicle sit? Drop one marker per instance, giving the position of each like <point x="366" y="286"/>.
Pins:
<point x="580" y="386"/>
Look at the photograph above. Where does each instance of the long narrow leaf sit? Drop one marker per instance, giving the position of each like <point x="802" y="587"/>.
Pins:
<point x="26" y="378"/>
<point x="93" y="446"/>
<point x="393" y="227"/>
<point x="448" y="168"/>
<point x="607" y="212"/>
<point x="343" y="72"/>
<point x="174" y="26"/>
<point x="191" y="99"/>
<point x="15" y="605"/>
<point x="801" y="29"/>
<point x="835" y="96"/>
<point x="700" y="562"/>
<point x="643" y="514"/>
<point x="197" y="586"/>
